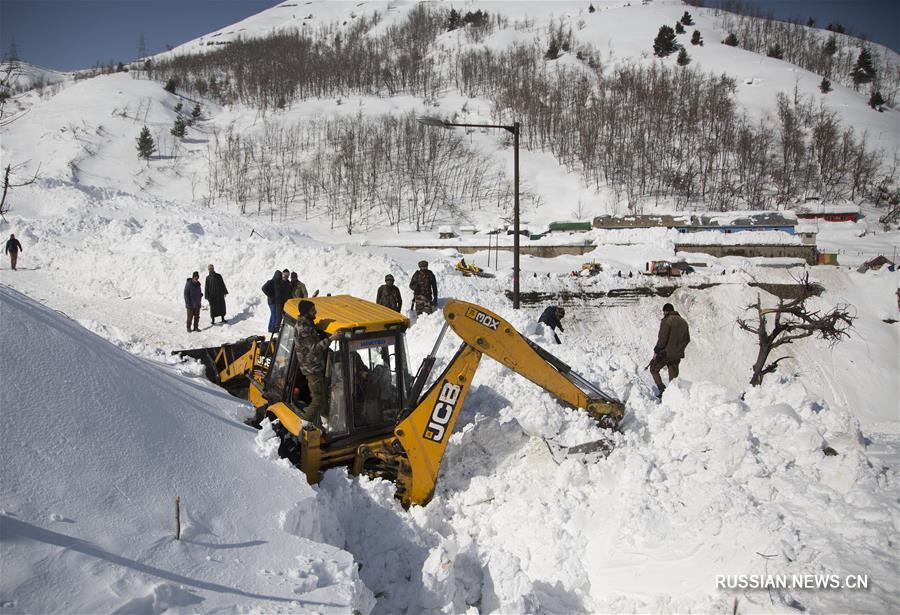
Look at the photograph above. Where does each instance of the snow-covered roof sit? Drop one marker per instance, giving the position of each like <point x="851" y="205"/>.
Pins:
<point x="814" y="207"/>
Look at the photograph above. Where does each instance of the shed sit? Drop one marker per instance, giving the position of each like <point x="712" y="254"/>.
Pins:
<point x="569" y="227"/>
<point x="875" y="264"/>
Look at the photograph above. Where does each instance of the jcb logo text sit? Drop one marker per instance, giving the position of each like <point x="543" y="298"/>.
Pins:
<point x="442" y="412"/>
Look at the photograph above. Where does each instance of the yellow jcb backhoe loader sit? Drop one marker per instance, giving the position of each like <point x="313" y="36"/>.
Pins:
<point x="377" y="419"/>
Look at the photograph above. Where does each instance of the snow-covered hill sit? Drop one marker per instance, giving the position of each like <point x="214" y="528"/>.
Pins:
<point x="719" y="479"/>
<point x="97" y="444"/>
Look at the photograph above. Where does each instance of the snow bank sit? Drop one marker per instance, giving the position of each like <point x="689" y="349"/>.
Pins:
<point x="97" y="444"/>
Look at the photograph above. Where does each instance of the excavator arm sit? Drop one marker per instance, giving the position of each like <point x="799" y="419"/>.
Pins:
<point x="429" y="421"/>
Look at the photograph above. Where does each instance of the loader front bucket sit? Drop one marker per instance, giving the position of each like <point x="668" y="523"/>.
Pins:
<point x="224" y="364"/>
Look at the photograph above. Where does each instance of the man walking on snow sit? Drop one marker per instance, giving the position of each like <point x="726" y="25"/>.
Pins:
<point x="215" y="293"/>
<point x="13" y="247"/>
<point x="389" y="295"/>
<point x="192" y="297"/>
<point x="673" y="338"/>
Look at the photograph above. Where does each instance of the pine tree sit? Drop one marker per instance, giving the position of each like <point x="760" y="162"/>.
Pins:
<point x="591" y="9"/>
<point x="196" y="112"/>
<point x="830" y="47"/>
<point x="810" y="23"/>
<point x="775" y="51"/>
<point x="731" y="40"/>
<point x="679" y="29"/>
<point x="454" y="20"/>
<point x="664" y="43"/>
<point x="145" y="145"/>
<point x="553" y="50"/>
<point x="825" y="85"/>
<point x="170" y="85"/>
<point x="178" y="107"/>
<point x="863" y="72"/>
<point x="696" y="39"/>
<point x="686" y="19"/>
<point x="179" y="127"/>
<point x="876" y="100"/>
<point x="683" y="58"/>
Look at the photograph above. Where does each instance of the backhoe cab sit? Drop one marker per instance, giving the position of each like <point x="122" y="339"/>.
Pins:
<point x="378" y="419"/>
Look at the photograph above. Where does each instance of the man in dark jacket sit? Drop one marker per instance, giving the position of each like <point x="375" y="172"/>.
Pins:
<point x="309" y="350"/>
<point x="269" y="291"/>
<point x="215" y="291"/>
<point x="552" y="317"/>
<point x="424" y="287"/>
<point x="192" y="297"/>
<point x="674" y="336"/>
<point x="13" y="247"/>
<point x="283" y="289"/>
<point x="389" y="295"/>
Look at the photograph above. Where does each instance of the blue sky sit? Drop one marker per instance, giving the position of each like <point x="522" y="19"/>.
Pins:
<point x="70" y="34"/>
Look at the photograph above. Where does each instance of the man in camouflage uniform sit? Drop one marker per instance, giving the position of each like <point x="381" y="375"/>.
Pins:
<point x="309" y="350"/>
<point x="424" y="287"/>
<point x="674" y="336"/>
<point x="389" y="295"/>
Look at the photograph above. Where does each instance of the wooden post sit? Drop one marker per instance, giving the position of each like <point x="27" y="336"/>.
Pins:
<point x="177" y="517"/>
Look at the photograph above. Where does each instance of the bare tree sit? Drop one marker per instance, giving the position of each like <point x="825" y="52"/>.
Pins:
<point x="793" y="320"/>
<point x="4" y="207"/>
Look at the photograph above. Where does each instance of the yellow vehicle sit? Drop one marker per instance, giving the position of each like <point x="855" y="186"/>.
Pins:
<point x="378" y="420"/>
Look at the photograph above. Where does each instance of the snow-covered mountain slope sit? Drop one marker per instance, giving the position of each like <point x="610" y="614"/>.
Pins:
<point x="97" y="444"/>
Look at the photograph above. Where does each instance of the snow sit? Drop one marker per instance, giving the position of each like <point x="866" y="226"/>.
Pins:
<point x="103" y="427"/>
<point x="740" y="238"/>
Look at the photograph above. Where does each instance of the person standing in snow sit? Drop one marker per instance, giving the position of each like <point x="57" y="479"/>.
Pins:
<point x="269" y="291"/>
<point x="552" y="317"/>
<point x="215" y="294"/>
<point x="298" y="288"/>
<point x="13" y="247"/>
<point x="192" y="297"/>
<point x="674" y="336"/>
<point x="283" y="289"/>
<point x="389" y="295"/>
<point x="424" y="287"/>
<point x="309" y="350"/>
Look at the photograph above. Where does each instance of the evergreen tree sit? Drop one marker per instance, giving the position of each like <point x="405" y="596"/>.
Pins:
<point x="170" y="85"/>
<point x="679" y="29"/>
<point x="145" y="145"/>
<point x="686" y="19"/>
<point x="825" y="85"/>
<point x="553" y="50"/>
<point x="835" y="27"/>
<point x="810" y="23"/>
<point x="731" y="40"/>
<point x="196" y="112"/>
<point x="178" y="107"/>
<point x="863" y="72"/>
<point x="876" y="100"/>
<point x="591" y="9"/>
<point x="179" y="128"/>
<point x="830" y="47"/>
<point x="696" y="39"/>
<point x="775" y="51"/>
<point x="664" y="43"/>
<point x="454" y="20"/>
<point x="683" y="58"/>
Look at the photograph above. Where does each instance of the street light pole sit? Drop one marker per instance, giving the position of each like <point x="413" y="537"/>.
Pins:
<point x="514" y="129"/>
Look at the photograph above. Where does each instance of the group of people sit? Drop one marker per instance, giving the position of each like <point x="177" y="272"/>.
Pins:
<point x="283" y="285"/>
<point x="214" y="290"/>
<point x="424" y="287"/>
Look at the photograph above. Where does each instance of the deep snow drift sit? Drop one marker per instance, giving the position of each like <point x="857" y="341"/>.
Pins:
<point x="96" y="445"/>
